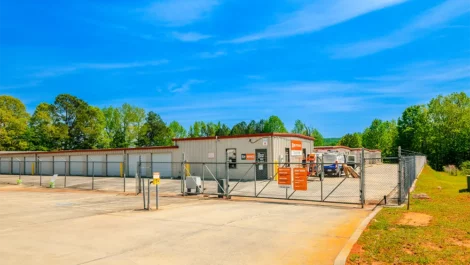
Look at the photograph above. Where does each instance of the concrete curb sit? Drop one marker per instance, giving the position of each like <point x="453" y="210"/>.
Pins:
<point x="343" y="255"/>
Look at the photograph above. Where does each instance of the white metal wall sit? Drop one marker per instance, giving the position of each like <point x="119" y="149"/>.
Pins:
<point x="96" y="165"/>
<point x="60" y="165"/>
<point x="29" y="165"/>
<point x="45" y="165"/>
<point x="78" y="165"/>
<point x="133" y="159"/>
<point x="5" y="165"/>
<point x="114" y="165"/>
<point x="163" y="168"/>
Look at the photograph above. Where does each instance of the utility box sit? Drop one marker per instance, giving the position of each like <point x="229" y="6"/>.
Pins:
<point x="468" y="183"/>
<point x="221" y="187"/>
<point x="194" y="183"/>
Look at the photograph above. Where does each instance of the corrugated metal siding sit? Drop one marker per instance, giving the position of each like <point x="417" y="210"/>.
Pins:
<point x="99" y="165"/>
<point x="45" y="165"/>
<point x="198" y="151"/>
<point x="28" y="167"/>
<point x="78" y="165"/>
<point x="5" y="165"/>
<point x="165" y="169"/>
<point x="114" y="165"/>
<point x="60" y="165"/>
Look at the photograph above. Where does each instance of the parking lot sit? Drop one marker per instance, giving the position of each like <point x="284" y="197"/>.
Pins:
<point x="380" y="180"/>
<point x="68" y="226"/>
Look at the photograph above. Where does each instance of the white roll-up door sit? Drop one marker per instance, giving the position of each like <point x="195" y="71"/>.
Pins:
<point x="5" y="165"/>
<point x="77" y="165"/>
<point x="30" y="165"/>
<point x="59" y="165"/>
<point x="133" y="159"/>
<point x="114" y="165"/>
<point x="45" y="165"/>
<point x="96" y="165"/>
<point x="162" y="163"/>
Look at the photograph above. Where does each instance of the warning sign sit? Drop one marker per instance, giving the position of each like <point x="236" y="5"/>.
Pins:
<point x="156" y="178"/>
<point x="284" y="179"/>
<point x="296" y="147"/>
<point x="300" y="179"/>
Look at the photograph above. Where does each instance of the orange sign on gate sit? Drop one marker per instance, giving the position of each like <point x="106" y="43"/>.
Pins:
<point x="284" y="179"/>
<point x="300" y="179"/>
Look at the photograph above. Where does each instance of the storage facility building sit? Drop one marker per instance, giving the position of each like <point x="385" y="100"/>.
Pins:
<point x="237" y="151"/>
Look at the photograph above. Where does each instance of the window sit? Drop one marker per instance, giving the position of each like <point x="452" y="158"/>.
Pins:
<point x="232" y="157"/>
<point x="287" y="160"/>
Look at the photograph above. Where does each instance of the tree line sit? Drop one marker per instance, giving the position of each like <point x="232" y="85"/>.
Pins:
<point x="71" y="123"/>
<point x="439" y="129"/>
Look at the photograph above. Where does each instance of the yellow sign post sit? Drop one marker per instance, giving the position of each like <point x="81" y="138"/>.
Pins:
<point x="32" y="169"/>
<point x="121" y="169"/>
<point x="156" y="182"/>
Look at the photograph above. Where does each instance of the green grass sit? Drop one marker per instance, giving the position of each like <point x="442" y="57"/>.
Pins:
<point x="445" y="241"/>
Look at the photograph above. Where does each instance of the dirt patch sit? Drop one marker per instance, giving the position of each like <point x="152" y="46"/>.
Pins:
<point x="415" y="219"/>
<point x="461" y="243"/>
<point x="432" y="246"/>
<point x="356" y="249"/>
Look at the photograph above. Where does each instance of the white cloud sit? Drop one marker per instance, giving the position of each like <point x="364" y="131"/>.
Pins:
<point x="24" y="85"/>
<point x="429" y="20"/>
<point x="317" y="16"/>
<point x="435" y="72"/>
<point x="211" y="55"/>
<point x="173" y="88"/>
<point x="94" y="66"/>
<point x="190" y="36"/>
<point x="181" y="12"/>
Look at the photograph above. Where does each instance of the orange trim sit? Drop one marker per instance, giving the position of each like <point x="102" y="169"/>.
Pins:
<point x="247" y="136"/>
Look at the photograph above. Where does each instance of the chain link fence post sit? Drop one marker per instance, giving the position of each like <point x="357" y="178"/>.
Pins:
<point x="363" y="178"/>
<point x="399" y="176"/>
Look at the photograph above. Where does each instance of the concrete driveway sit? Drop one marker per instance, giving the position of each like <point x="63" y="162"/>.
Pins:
<point x="44" y="226"/>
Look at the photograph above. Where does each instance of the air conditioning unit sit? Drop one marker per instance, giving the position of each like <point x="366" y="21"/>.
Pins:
<point x="194" y="183"/>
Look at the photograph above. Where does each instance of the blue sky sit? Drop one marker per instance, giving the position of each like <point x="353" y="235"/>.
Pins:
<point x="335" y="64"/>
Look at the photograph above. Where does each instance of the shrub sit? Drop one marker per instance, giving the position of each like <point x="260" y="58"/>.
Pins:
<point x="465" y="167"/>
<point x="451" y="170"/>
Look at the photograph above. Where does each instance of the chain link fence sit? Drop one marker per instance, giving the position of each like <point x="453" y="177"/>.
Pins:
<point x="366" y="181"/>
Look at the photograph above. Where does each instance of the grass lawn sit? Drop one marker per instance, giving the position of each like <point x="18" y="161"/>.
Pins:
<point x="446" y="240"/>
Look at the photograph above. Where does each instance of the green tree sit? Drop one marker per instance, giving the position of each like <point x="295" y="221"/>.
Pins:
<point x="302" y="128"/>
<point x="83" y="124"/>
<point x="381" y="135"/>
<point x="319" y="140"/>
<point x="413" y="128"/>
<point x="132" y="121"/>
<point x="251" y="127"/>
<point x="299" y="127"/>
<point x="353" y="140"/>
<point x="176" y="130"/>
<point x="239" y="129"/>
<point x="449" y="139"/>
<point x="13" y="124"/>
<point x="123" y="124"/>
<point x="44" y="134"/>
<point x="274" y="124"/>
<point x="223" y="130"/>
<point x="154" y="132"/>
<point x="195" y="130"/>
